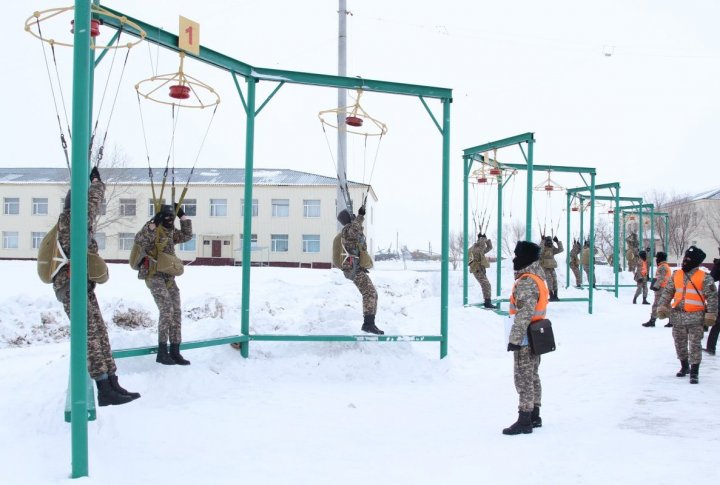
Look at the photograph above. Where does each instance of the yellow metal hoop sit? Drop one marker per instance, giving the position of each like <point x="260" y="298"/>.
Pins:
<point x="43" y="15"/>
<point x="378" y="129"/>
<point x="148" y="88"/>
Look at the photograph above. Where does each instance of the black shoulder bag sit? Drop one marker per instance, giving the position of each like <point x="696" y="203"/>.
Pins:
<point x="541" y="337"/>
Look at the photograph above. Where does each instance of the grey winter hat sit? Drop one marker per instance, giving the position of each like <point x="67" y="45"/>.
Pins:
<point x="344" y="217"/>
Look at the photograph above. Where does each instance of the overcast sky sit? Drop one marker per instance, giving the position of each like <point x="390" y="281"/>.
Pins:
<point x="645" y="116"/>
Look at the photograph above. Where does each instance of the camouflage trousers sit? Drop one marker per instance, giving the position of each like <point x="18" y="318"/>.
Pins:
<point x="99" y="353"/>
<point x="656" y="301"/>
<point x="587" y="273"/>
<point x="576" y="272"/>
<point x="367" y="290"/>
<point x="167" y="298"/>
<point x="688" y="333"/>
<point x="641" y="288"/>
<point x="481" y="277"/>
<point x="527" y="379"/>
<point x="551" y="279"/>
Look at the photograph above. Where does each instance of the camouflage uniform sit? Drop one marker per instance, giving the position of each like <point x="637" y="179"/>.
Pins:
<point x="575" y="263"/>
<point x="640" y="279"/>
<point x="100" y="359"/>
<point x="632" y="254"/>
<point x="548" y="263"/>
<point x="687" y="327"/>
<point x="663" y="272"/>
<point x="479" y="264"/>
<point x="526" y="365"/>
<point x="162" y="286"/>
<point x="353" y="239"/>
<point x="585" y="256"/>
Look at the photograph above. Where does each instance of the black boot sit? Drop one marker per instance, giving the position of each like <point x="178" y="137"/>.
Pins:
<point x="488" y="303"/>
<point x="175" y="355"/>
<point x="535" y="418"/>
<point x="119" y="389"/>
<point x="709" y="350"/>
<point x="107" y="396"/>
<point x="684" y="368"/>
<point x="635" y="300"/>
<point x="369" y="325"/>
<point x="649" y="323"/>
<point x="668" y="325"/>
<point x="163" y="357"/>
<point x="522" y="425"/>
<point x="645" y="302"/>
<point x="694" y="371"/>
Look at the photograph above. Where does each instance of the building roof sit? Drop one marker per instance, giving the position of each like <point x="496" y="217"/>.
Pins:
<point x="201" y="176"/>
<point x="713" y="194"/>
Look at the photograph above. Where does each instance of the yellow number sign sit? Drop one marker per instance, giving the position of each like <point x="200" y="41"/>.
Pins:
<point x="189" y="36"/>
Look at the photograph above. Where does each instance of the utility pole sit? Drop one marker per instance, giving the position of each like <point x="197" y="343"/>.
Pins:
<point x="342" y="103"/>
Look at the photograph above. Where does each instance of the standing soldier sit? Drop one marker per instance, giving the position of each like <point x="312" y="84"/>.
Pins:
<point x="356" y="264"/>
<point x="661" y="280"/>
<point x="548" y="263"/>
<point x="632" y="251"/>
<point x="101" y="364"/>
<point x="641" y="278"/>
<point x="479" y="264"/>
<point x="528" y="302"/>
<point x="715" y="330"/>
<point x="159" y="266"/>
<point x="694" y="303"/>
<point x="585" y="257"/>
<point x="575" y="262"/>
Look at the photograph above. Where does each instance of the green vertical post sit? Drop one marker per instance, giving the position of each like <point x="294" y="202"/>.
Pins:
<point x="529" y="194"/>
<point x="467" y="163"/>
<point x="247" y="214"/>
<point x="667" y="234"/>
<point x="616" y="229"/>
<point x="445" y="228"/>
<point x="652" y="241"/>
<point x="624" y="237"/>
<point x="568" y="246"/>
<point x="498" y="249"/>
<point x="591" y="277"/>
<point x="78" y="238"/>
<point x="582" y="235"/>
<point x="640" y="227"/>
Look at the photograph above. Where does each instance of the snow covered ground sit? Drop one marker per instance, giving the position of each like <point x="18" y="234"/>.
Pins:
<point x="354" y="413"/>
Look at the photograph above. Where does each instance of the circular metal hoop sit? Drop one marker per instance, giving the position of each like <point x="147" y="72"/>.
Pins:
<point x="354" y="118"/>
<point x="150" y="89"/>
<point x="43" y="15"/>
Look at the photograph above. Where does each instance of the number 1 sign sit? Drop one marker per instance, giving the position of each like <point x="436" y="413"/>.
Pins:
<point x="189" y="36"/>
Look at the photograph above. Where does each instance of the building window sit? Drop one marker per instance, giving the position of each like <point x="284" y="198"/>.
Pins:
<point x="279" y="243"/>
<point x="37" y="238"/>
<point x="190" y="245"/>
<point x="127" y="207"/>
<point x="218" y="207"/>
<point x="281" y="208"/>
<point x="126" y="241"/>
<point x="311" y="243"/>
<point x="12" y="206"/>
<point x="253" y="240"/>
<point x="189" y="206"/>
<point x="103" y="207"/>
<point x="100" y="240"/>
<point x="255" y="209"/>
<point x="311" y="208"/>
<point x="10" y="240"/>
<point x="151" y="207"/>
<point x="39" y="206"/>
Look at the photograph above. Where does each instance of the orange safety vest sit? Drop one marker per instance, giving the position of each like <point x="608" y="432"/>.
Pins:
<point x="643" y="268"/>
<point x="689" y="291"/>
<point x="663" y="282"/>
<point x="541" y="305"/>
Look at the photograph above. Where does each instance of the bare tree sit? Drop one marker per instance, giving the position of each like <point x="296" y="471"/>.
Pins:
<point x="684" y="222"/>
<point x="660" y="201"/>
<point x="604" y="239"/>
<point x="456" y="248"/>
<point x="116" y="162"/>
<point x="712" y="221"/>
<point x="512" y="233"/>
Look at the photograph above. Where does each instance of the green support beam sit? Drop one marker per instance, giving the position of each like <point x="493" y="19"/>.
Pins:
<point x="496" y="145"/>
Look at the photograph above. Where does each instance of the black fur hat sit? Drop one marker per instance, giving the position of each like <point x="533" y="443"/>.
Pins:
<point x="526" y="253"/>
<point x="660" y="256"/>
<point x="693" y="257"/>
<point x="345" y="217"/>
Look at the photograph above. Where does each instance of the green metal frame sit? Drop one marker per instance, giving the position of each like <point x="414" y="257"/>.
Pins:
<point x="84" y="64"/>
<point x="471" y="155"/>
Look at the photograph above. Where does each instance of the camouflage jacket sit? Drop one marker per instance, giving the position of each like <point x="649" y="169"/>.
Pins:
<point x="637" y="276"/>
<point x="547" y="254"/>
<point x="96" y="193"/>
<point x="663" y="272"/>
<point x="353" y="240"/>
<point x="526" y="293"/>
<point x="477" y="253"/>
<point x="574" y="255"/>
<point x="709" y="292"/>
<point x="148" y="238"/>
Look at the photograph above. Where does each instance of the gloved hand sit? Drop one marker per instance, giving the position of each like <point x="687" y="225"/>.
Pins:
<point x="710" y="319"/>
<point x="180" y="213"/>
<point x="95" y="174"/>
<point x="716" y="261"/>
<point x="512" y="346"/>
<point x="361" y="210"/>
<point x="663" y="312"/>
<point x="556" y="239"/>
<point x="483" y="236"/>
<point x="157" y="219"/>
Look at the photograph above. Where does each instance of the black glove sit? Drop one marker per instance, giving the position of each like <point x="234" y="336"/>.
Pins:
<point x="512" y="346"/>
<point x="483" y="235"/>
<point x="95" y="174"/>
<point x="716" y="261"/>
<point x="180" y="213"/>
<point x="157" y="219"/>
<point x="361" y="210"/>
<point x="556" y="239"/>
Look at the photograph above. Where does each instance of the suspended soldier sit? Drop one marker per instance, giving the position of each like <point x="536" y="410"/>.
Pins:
<point x="479" y="265"/>
<point x="548" y="263"/>
<point x="662" y="276"/>
<point x="101" y="364"/>
<point x="356" y="264"/>
<point x="641" y="278"/>
<point x="528" y="303"/>
<point x="585" y="257"/>
<point x="694" y="304"/>
<point x="575" y="262"/>
<point x="632" y="251"/>
<point x="159" y="266"/>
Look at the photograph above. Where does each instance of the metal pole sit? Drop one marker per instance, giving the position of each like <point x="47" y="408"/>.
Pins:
<point x="247" y="214"/>
<point x="652" y="241"/>
<point x="78" y="238"/>
<point x="591" y="277"/>
<point x="529" y="201"/>
<point x="616" y="242"/>
<point x="467" y="163"/>
<point x="445" y="236"/>
<point x="342" y="103"/>
<point x="498" y="250"/>
<point x="568" y="246"/>
<point x="582" y="234"/>
<point x="624" y="237"/>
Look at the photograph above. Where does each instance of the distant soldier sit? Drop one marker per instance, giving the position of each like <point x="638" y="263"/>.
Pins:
<point x="694" y="304"/>
<point x="548" y="263"/>
<point x="660" y="282"/>
<point x="641" y="278"/>
<point x="712" y="338"/>
<point x="528" y="303"/>
<point x="632" y="251"/>
<point x="575" y="262"/>
<point x="585" y="257"/>
<point x="479" y="264"/>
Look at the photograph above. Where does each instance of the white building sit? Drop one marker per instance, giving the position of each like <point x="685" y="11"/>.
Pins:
<point x="293" y="224"/>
